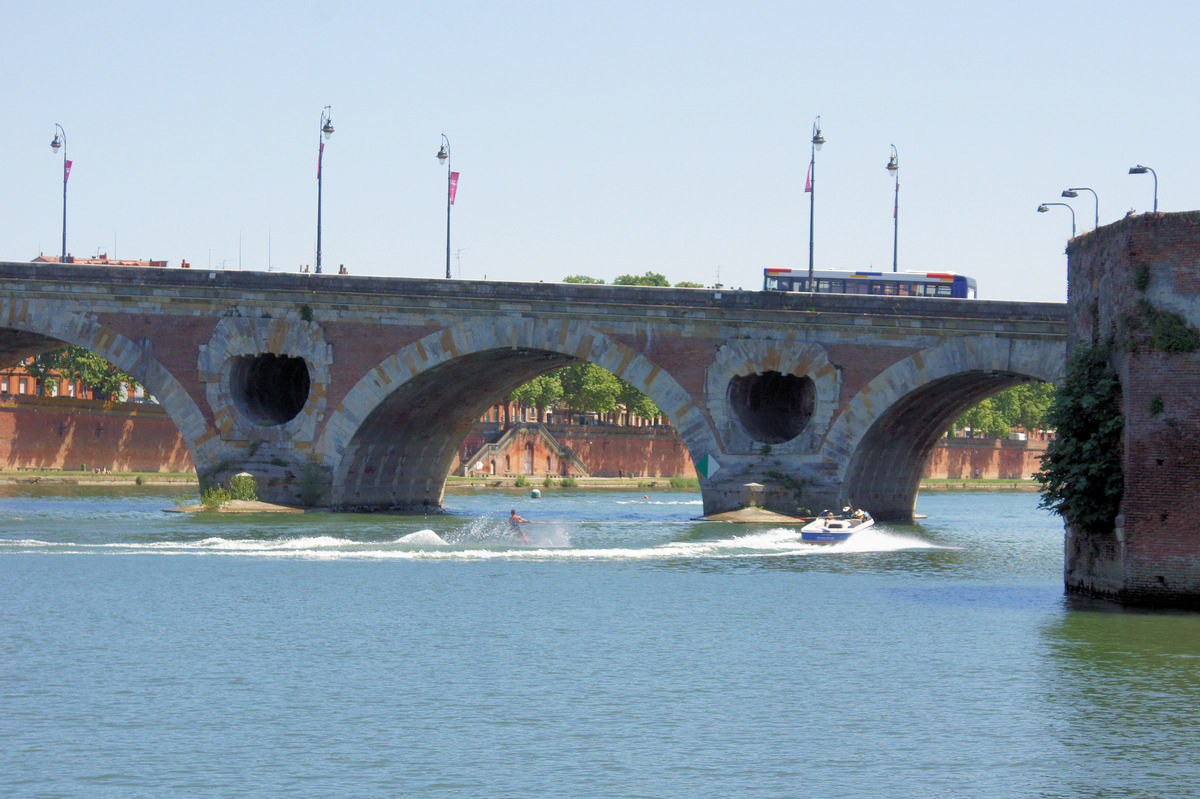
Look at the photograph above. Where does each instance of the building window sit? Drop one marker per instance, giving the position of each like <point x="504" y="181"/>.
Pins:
<point x="3" y="385"/>
<point x="23" y="387"/>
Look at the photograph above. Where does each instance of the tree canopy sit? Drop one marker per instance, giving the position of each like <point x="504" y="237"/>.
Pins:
<point x="648" y="279"/>
<point x="585" y="388"/>
<point x="76" y="364"/>
<point x="1027" y="406"/>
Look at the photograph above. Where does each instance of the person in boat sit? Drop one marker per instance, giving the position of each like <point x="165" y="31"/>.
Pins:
<point x="514" y="522"/>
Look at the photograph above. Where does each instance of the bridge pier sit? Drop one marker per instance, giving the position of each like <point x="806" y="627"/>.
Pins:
<point x="1135" y="294"/>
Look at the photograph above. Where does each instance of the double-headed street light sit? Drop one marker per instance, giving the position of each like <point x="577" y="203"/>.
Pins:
<point x="60" y="141"/>
<point x="444" y="155"/>
<point x="817" y="141"/>
<point x="1141" y="170"/>
<point x="326" y="132"/>
<point x="1075" y="193"/>
<point x="1044" y="207"/>
<point x="893" y="166"/>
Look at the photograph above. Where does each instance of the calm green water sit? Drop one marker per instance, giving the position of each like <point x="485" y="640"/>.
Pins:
<point x="629" y="652"/>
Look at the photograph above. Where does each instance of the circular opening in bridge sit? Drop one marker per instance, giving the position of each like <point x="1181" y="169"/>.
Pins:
<point x="270" y="389"/>
<point x="772" y="407"/>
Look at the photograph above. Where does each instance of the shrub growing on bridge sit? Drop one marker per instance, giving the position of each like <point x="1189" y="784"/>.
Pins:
<point x="1081" y="476"/>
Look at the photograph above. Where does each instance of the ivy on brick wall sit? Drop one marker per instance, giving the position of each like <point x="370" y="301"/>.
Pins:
<point x="1081" y="474"/>
<point x="1168" y="331"/>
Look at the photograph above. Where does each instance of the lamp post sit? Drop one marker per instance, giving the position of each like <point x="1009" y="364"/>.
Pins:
<point x="817" y="141"/>
<point x="1075" y="193"/>
<point x="1141" y="170"/>
<point x="60" y="141"/>
<point x="1044" y="207"/>
<point x="444" y="155"/>
<point x="326" y="132"/>
<point x="893" y="166"/>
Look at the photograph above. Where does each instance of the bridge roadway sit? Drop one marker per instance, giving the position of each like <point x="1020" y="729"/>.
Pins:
<point x="361" y="390"/>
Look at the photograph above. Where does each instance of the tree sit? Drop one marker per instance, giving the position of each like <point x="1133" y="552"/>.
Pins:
<point x="541" y="392"/>
<point x="582" y="279"/>
<point x="648" y="279"/>
<point x="637" y="403"/>
<point x="985" y="419"/>
<point x="105" y="380"/>
<point x="688" y="284"/>
<point x="45" y="369"/>
<point x="1028" y="406"/>
<point x="589" y="388"/>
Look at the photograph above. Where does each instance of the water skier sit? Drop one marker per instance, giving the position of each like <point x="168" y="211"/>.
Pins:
<point x="514" y="521"/>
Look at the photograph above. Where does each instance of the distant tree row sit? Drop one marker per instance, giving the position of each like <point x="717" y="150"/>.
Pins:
<point x="584" y="388"/>
<point x="1026" y="406"/>
<point x="648" y="279"/>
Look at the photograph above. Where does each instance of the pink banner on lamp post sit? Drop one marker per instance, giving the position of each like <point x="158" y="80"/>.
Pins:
<point x="453" y="186"/>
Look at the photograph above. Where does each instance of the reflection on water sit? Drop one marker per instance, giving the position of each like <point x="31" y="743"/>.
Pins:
<point x="1125" y="686"/>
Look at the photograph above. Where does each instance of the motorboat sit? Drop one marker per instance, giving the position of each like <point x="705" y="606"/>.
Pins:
<point x="829" y="528"/>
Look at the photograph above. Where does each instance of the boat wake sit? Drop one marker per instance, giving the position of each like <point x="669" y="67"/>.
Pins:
<point x="484" y="539"/>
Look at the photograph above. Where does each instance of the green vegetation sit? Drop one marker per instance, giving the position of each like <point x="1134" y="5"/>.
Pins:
<point x="1169" y="332"/>
<point x="76" y="364"/>
<point x="585" y="388"/>
<point x="243" y="487"/>
<point x="214" y="498"/>
<point x="312" y="486"/>
<point x="1028" y="406"/>
<point x="1081" y="474"/>
<point x="648" y="279"/>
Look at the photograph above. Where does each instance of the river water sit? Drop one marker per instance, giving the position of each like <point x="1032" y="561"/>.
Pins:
<point x="630" y="651"/>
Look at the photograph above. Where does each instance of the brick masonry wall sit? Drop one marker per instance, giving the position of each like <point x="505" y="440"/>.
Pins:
<point x="1153" y="555"/>
<point x="67" y="434"/>
<point x="984" y="459"/>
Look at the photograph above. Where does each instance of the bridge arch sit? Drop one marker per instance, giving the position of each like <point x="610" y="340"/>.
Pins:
<point x="391" y="441"/>
<point x="885" y="434"/>
<point x="46" y="326"/>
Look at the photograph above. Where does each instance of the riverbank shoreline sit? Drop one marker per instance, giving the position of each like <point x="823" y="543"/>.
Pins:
<point x="54" y="477"/>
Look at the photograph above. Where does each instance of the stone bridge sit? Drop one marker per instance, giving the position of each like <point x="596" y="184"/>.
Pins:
<point x="361" y="390"/>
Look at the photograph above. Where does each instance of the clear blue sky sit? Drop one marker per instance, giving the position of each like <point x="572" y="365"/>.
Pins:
<point x="598" y="139"/>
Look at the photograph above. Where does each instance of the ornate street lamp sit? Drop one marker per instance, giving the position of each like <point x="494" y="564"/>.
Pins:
<point x="1044" y="207"/>
<point x="893" y="166"/>
<point x="444" y="155"/>
<point x="1141" y="170"/>
<point x="326" y="132"/>
<point x="1075" y="193"/>
<point x="817" y="141"/>
<point x="60" y="141"/>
